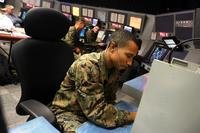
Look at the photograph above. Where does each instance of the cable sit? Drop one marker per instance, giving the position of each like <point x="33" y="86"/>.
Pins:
<point x="181" y="43"/>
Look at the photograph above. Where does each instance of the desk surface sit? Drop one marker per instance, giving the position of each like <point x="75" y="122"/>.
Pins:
<point x="12" y="36"/>
<point x="37" y="125"/>
<point x="88" y="127"/>
<point x="135" y="87"/>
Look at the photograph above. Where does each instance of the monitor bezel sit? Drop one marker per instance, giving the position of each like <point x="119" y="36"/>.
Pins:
<point x="153" y="50"/>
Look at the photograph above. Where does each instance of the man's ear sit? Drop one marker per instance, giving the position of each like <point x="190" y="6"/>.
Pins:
<point x="112" y="46"/>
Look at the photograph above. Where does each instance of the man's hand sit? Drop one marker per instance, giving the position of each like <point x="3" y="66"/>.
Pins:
<point x="132" y="116"/>
<point x="77" y="50"/>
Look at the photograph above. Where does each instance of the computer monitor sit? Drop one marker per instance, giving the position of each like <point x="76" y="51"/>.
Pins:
<point x="22" y="13"/>
<point x="46" y="4"/>
<point x="128" y="28"/>
<point x="2" y="1"/>
<point x="95" y="21"/>
<point x="101" y="15"/>
<point x="100" y="36"/>
<point x="76" y="11"/>
<point x="136" y="22"/>
<point x="158" y="53"/>
<point x="171" y="41"/>
<point x="82" y="33"/>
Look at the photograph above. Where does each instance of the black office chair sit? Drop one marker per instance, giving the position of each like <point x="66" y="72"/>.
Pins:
<point x="3" y="127"/>
<point x="41" y="61"/>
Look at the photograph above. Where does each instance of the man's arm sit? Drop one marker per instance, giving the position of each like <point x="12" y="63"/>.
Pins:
<point x="70" y="37"/>
<point x="92" y="100"/>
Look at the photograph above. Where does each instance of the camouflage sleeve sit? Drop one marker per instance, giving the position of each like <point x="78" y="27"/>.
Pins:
<point x="70" y="37"/>
<point x="91" y="98"/>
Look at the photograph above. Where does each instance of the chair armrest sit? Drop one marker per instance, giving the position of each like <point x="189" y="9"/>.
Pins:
<point x="35" y="109"/>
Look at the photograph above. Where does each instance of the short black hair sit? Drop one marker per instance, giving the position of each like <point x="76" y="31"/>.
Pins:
<point x="122" y="36"/>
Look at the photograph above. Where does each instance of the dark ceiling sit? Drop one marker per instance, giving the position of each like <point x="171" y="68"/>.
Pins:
<point x="143" y="6"/>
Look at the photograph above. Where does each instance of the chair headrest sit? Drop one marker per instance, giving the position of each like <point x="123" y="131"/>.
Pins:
<point x="46" y="24"/>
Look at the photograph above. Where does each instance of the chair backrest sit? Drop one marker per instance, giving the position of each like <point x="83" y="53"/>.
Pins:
<point x="42" y="60"/>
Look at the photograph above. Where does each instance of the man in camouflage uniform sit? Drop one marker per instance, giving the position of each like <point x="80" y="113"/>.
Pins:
<point x="91" y="35"/>
<point x="72" y="36"/>
<point x="88" y="90"/>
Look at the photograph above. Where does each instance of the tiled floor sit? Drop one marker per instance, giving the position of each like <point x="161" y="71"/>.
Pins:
<point x="10" y="95"/>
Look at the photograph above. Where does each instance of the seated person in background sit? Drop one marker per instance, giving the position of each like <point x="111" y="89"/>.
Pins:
<point x="87" y="92"/>
<point x="5" y="23"/>
<point x="72" y="36"/>
<point x="91" y="35"/>
<point x="9" y="12"/>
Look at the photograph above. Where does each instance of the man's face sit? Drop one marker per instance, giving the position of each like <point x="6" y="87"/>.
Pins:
<point x="81" y="26"/>
<point x="96" y="29"/>
<point x="122" y="57"/>
<point x="10" y="10"/>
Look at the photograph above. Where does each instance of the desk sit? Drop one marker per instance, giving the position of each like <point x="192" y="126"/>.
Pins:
<point x="37" y="125"/>
<point x="88" y="127"/>
<point x="12" y="37"/>
<point x="135" y="87"/>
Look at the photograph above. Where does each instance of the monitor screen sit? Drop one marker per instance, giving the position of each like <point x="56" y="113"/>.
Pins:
<point x="100" y="36"/>
<point x="136" y="22"/>
<point x="65" y="8"/>
<point x="101" y="15"/>
<point x="22" y="13"/>
<point x="2" y="1"/>
<point x="76" y="11"/>
<point x="47" y="4"/>
<point x="158" y="53"/>
<point x="128" y="28"/>
<point x="95" y="21"/>
<point x="121" y="18"/>
<point x="82" y="33"/>
<point x="170" y="43"/>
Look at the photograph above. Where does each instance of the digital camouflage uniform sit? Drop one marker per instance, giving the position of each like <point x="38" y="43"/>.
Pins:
<point x="72" y="37"/>
<point x="91" y="36"/>
<point x="88" y="93"/>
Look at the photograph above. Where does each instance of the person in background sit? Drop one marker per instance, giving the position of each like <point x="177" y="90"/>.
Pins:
<point x="88" y="91"/>
<point x="91" y="35"/>
<point x="72" y="36"/>
<point x="9" y="12"/>
<point x="5" y="22"/>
